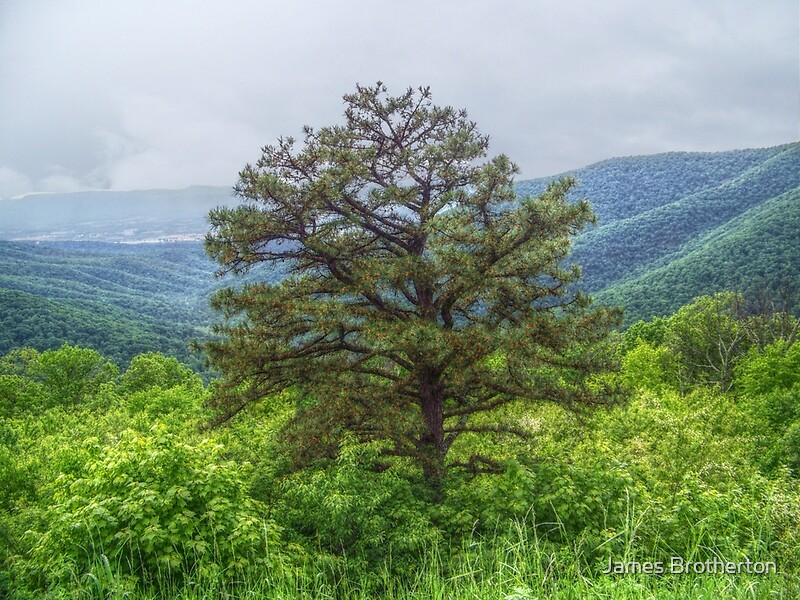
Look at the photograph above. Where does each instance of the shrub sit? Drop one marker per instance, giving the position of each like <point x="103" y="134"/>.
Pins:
<point x="65" y="377"/>
<point x="153" y="369"/>
<point x="157" y="507"/>
<point x="180" y="403"/>
<point x="648" y="367"/>
<point x="352" y="514"/>
<point x="776" y="368"/>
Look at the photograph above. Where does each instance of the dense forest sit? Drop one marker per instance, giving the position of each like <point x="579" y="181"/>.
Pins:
<point x="751" y="252"/>
<point x="675" y="226"/>
<point x="119" y="299"/>
<point x="685" y="483"/>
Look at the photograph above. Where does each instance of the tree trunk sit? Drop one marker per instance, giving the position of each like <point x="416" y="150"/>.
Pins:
<point x="431" y="443"/>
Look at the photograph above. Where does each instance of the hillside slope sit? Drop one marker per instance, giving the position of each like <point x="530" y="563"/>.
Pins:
<point x="30" y="320"/>
<point x="619" y="249"/>
<point x="120" y="299"/>
<point x="759" y="250"/>
<point x="671" y="227"/>
<point x="621" y="188"/>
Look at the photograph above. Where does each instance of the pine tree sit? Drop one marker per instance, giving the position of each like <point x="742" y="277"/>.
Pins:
<point x="420" y="291"/>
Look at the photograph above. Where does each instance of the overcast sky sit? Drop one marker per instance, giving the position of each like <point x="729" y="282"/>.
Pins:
<point x="118" y="94"/>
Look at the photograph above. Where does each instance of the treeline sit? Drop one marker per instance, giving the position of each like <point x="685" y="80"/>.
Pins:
<point x="111" y="485"/>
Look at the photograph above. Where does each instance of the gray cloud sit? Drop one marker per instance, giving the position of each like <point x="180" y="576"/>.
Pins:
<point x="140" y="94"/>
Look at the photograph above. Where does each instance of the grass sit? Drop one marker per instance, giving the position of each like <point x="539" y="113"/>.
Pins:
<point x="516" y="564"/>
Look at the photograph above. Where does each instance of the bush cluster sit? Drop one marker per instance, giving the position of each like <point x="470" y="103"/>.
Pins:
<point x="110" y="484"/>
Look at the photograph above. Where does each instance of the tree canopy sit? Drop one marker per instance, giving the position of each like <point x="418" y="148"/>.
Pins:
<point x="422" y="294"/>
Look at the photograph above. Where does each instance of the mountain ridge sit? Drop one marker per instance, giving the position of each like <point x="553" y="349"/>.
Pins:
<point x="166" y="214"/>
<point x="670" y="227"/>
<point x="614" y="250"/>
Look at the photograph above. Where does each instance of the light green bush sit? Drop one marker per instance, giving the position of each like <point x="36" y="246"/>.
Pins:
<point x="157" y="507"/>
<point x="647" y="367"/>
<point x="776" y="368"/>
<point x="352" y="514"/>
<point x="63" y="377"/>
<point x="153" y="369"/>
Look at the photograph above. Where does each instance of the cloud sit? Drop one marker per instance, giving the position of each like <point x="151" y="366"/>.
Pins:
<point x="13" y="183"/>
<point x="168" y="144"/>
<point x="167" y="94"/>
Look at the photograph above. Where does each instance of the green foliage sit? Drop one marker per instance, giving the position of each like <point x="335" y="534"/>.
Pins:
<point x="769" y="383"/>
<point x="72" y="374"/>
<point x="96" y="501"/>
<point x="31" y="380"/>
<point x="776" y="368"/>
<point x="651" y="332"/>
<point x="699" y="491"/>
<point x="650" y="368"/>
<point x="17" y="480"/>
<point x="19" y="394"/>
<point x="175" y="407"/>
<point x="727" y="340"/>
<point x="708" y="336"/>
<point x="574" y="500"/>
<point x="152" y="370"/>
<point x="787" y="451"/>
<point x="351" y="514"/>
<point x="155" y="505"/>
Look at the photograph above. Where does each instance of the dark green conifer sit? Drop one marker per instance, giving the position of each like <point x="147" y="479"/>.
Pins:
<point x="422" y="293"/>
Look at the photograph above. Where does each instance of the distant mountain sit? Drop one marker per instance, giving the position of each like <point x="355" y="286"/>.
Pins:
<point x="757" y="251"/>
<point x="671" y="227"/>
<point x="148" y="215"/>
<point x="674" y="226"/>
<point x="620" y="188"/>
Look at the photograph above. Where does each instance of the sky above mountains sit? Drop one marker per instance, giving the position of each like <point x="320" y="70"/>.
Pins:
<point x="138" y="94"/>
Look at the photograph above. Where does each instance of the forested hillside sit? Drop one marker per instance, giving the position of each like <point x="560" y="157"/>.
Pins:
<point x="28" y="320"/>
<point x="670" y="227"/>
<point x="622" y="248"/>
<point x="677" y="225"/>
<point x="117" y="298"/>
<point x="120" y="299"/>
<point x="756" y="251"/>
<point x="620" y="188"/>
